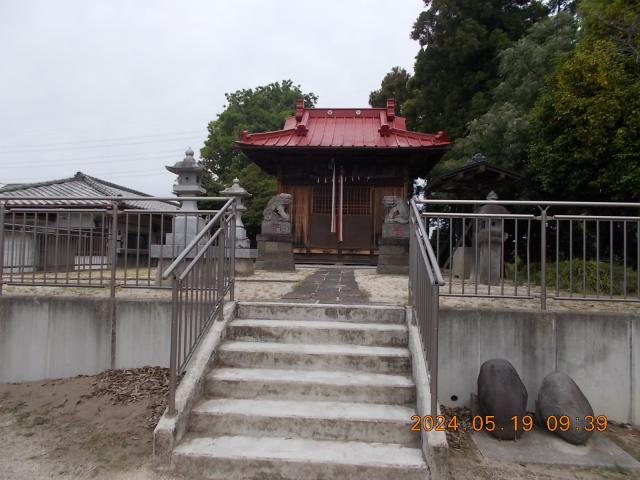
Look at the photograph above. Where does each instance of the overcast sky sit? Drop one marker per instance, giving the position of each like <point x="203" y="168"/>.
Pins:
<point x="119" y="88"/>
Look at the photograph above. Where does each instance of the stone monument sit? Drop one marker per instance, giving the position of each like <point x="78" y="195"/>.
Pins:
<point x="393" y="253"/>
<point x="184" y="227"/>
<point x="275" y="247"/>
<point x="244" y="254"/>
<point x="490" y="240"/>
<point x="502" y="395"/>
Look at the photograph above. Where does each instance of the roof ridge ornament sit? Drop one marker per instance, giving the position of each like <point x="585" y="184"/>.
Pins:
<point x="299" y="108"/>
<point x="391" y="109"/>
<point x="384" y="129"/>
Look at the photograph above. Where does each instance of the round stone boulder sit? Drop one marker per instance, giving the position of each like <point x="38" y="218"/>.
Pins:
<point x="502" y="395"/>
<point x="558" y="396"/>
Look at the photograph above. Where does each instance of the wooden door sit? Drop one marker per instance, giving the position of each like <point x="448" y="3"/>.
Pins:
<point x="356" y="216"/>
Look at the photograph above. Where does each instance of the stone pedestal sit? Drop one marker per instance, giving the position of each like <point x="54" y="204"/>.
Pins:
<point x="275" y="252"/>
<point x="462" y="262"/>
<point x="393" y="256"/>
<point x="490" y="266"/>
<point x="244" y="261"/>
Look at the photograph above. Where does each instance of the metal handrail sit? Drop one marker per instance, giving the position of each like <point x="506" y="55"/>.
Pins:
<point x="199" y="255"/>
<point x="199" y="290"/>
<point x="197" y="239"/>
<point x="425" y="280"/>
<point x="433" y="262"/>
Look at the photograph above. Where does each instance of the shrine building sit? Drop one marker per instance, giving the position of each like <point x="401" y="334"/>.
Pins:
<point x="338" y="164"/>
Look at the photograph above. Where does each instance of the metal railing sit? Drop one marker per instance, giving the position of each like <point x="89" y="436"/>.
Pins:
<point x="202" y="275"/>
<point x="425" y="280"/>
<point x="559" y="250"/>
<point x="110" y="246"/>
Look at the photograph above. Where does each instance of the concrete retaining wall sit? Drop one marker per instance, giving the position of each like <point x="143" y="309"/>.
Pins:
<point x="59" y="337"/>
<point x="599" y="350"/>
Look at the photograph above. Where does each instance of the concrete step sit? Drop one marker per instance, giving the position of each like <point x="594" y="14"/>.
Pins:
<point x="335" y="313"/>
<point x="311" y="385"/>
<point x="321" y="331"/>
<point x="314" y="357"/>
<point x="317" y="420"/>
<point x="271" y="458"/>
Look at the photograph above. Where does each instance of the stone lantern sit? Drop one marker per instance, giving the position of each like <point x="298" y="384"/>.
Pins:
<point x="244" y="255"/>
<point x="236" y="191"/>
<point x="490" y="240"/>
<point x="183" y="227"/>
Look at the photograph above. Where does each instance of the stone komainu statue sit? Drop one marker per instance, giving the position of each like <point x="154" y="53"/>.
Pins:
<point x="275" y="209"/>
<point x="398" y="210"/>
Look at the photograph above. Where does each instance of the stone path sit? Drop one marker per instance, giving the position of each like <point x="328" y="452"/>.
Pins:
<point x="328" y="285"/>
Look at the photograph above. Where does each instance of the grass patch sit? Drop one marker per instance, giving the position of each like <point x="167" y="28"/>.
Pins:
<point x="590" y="277"/>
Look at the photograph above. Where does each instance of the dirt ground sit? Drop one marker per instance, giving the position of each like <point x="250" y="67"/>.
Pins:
<point x="100" y="427"/>
<point x="84" y="427"/>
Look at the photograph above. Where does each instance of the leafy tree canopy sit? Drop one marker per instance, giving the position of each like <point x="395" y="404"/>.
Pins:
<point x="503" y="133"/>
<point x="456" y="69"/>
<point x="256" y="110"/>
<point x="615" y="20"/>
<point x="394" y="85"/>
<point x="588" y="127"/>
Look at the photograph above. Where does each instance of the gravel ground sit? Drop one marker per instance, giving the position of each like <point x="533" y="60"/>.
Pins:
<point x="393" y="289"/>
<point x="262" y="285"/>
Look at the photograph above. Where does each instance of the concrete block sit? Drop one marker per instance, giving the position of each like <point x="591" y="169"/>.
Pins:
<point x="393" y="249"/>
<point x="244" y="267"/>
<point x="311" y="385"/>
<point x="340" y="313"/>
<point x="231" y="457"/>
<point x="314" y="357"/>
<point x="402" y="260"/>
<point x="142" y="333"/>
<point x="318" y="332"/>
<point x="393" y="269"/>
<point x="595" y="353"/>
<point x="318" y="420"/>
<point x="53" y="337"/>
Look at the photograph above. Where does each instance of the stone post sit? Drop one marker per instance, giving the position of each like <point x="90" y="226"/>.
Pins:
<point x="393" y="245"/>
<point x="490" y="240"/>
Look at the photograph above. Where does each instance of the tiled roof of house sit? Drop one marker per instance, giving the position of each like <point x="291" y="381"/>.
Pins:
<point x="80" y="185"/>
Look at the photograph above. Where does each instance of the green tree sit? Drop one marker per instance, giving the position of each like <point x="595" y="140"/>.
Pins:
<point x="456" y="69"/>
<point x="256" y="110"/>
<point x="617" y="21"/>
<point x="394" y="85"/>
<point x="504" y="132"/>
<point x="588" y="127"/>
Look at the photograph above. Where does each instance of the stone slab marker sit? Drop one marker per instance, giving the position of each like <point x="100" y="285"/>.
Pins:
<point x="393" y="253"/>
<point x="275" y="243"/>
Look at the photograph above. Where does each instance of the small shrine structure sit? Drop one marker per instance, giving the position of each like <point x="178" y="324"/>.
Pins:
<point x="339" y="164"/>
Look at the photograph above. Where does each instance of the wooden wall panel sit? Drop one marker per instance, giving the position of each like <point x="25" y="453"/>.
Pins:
<point x="300" y="210"/>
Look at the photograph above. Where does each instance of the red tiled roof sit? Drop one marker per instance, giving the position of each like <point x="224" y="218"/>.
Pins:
<point x="344" y="127"/>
